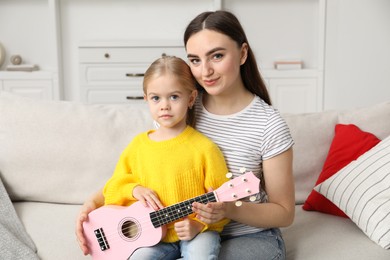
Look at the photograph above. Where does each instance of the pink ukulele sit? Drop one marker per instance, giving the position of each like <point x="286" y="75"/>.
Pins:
<point x="115" y="232"/>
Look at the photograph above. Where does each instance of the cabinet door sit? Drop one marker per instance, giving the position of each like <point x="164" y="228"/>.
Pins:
<point x="39" y="89"/>
<point x="111" y="83"/>
<point x="294" y="95"/>
<point x="115" y="74"/>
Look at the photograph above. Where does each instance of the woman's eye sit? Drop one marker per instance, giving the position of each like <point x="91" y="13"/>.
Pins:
<point x="217" y="56"/>
<point x="194" y="61"/>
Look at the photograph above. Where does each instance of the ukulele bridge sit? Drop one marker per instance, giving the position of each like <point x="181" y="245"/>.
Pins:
<point x="101" y="239"/>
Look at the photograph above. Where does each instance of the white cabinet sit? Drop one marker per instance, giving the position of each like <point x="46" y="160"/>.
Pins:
<point x="298" y="91"/>
<point x="37" y="84"/>
<point x="112" y="72"/>
<point x="294" y="95"/>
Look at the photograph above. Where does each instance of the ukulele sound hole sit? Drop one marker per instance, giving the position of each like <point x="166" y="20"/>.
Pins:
<point x="130" y="229"/>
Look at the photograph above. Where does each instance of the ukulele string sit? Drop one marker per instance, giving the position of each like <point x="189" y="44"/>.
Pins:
<point x="143" y="221"/>
<point x="143" y="224"/>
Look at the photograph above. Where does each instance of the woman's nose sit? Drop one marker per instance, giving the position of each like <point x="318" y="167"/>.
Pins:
<point x="207" y="69"/>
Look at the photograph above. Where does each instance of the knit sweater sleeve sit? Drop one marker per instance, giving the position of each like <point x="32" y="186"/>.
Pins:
<point x="119" y="188"/>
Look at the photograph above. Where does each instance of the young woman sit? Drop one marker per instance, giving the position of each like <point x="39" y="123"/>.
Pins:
<point x="234" y="110"/>
<point x="149" y="170"/>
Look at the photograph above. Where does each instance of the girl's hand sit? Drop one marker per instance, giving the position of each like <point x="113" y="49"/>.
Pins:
<point x="187" y="229"/>
<point x="147" y="196"/>
<point x="211" y="212"/>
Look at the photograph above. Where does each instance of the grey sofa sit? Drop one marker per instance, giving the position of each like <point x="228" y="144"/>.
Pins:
<point x="54" y="154"/>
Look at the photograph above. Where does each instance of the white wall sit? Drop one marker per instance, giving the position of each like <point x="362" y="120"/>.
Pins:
<point x="357" y="57"/>
<point x="357" y="60"/>
<point x="24" y="30"/>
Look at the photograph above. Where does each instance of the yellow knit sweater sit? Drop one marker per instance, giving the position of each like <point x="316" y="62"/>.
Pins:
<point x="177" y="169"/>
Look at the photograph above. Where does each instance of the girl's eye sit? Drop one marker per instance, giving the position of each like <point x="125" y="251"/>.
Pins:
<point x="155" y="98"/>
<point x="174" y="97"/>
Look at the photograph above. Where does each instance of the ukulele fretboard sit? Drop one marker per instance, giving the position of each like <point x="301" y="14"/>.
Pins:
<point x="179" y="210"/>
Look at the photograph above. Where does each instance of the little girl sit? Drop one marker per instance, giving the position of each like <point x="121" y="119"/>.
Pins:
<point x="170" y="164"/>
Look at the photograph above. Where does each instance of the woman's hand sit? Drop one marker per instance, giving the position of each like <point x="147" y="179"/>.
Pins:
<point x="211" y="212"/>
<point x="187" y="229"/>
<point x="96" y="201"/>
<point x="87" y="207"/>
<point x="147" y="196"/>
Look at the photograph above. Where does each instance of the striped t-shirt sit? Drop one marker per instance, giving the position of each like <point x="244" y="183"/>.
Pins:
<point x="246" y="138"/>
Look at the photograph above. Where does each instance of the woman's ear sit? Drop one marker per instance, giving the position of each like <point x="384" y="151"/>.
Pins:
<point x="244" y="53"/>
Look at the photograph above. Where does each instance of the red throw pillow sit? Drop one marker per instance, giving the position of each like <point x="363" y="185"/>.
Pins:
<point x="347" y="145"/>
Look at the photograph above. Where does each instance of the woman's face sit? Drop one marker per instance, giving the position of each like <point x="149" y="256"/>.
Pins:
<point x="215" y="61"/>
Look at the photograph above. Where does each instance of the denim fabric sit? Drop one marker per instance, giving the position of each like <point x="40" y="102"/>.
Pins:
<point x="264" y="245"/>
<point x="205" y="246"/>
<point x="166" y="251"/>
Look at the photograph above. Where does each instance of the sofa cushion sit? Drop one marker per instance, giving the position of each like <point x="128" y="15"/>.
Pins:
<point x="52" y="227"/>
<point x="58" y="151"/>
<point x="347" y="145"/>
<point x="373" y="119"/>
<point x="362" y="191"/>
<point x="318" y="236"/>
<point x="313" y="134"/>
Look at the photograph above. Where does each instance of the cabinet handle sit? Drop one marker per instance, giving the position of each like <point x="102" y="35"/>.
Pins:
<point x="134" y="97"/>
<point x="135" y="74"/>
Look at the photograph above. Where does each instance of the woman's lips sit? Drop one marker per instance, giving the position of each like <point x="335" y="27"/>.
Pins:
<point x="210" y="82"/>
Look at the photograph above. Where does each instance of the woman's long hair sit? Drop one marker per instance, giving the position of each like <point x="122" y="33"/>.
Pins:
<point x="227" y="23"/>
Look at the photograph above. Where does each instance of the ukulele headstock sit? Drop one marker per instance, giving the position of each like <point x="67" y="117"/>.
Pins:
<point x="239" y="187"/>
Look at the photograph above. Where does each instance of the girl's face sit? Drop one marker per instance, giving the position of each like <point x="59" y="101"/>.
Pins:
<point x="169" y="101"/>
<point x="215" y="61"/>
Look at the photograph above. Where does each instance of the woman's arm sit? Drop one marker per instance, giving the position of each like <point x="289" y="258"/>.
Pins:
<point x="94" y="202"/>
<point x="278" y="212"/>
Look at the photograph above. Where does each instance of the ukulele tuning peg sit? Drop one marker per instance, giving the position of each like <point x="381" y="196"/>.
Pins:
<point x="238" y="203"/>
<point x="252" y="198"/>
<point x="229" y="175"/>
<point x="242" y="169"/>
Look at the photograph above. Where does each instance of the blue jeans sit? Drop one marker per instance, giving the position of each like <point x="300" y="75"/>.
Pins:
<point x="205" y="246"/>
<point x="263" y="245"/>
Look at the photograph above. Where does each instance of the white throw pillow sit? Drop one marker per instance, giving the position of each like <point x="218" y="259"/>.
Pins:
<point x="362" y="191"/>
